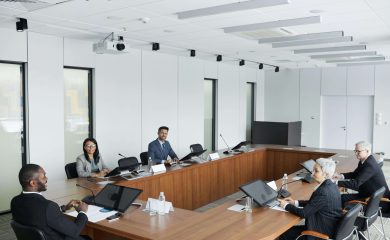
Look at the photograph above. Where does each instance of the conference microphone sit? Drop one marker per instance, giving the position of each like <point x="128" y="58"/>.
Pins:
<point x="122" y="155"/>
<point x="227" y="151"/>
<point x="283" y="192"/>
<point x="88" y="199"/>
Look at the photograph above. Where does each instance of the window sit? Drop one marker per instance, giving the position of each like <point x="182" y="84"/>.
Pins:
<point x="250" y="109"/>
<point x="12" y="129"/>
<point x="78" y="110"/>
<point x="209" y="113"/>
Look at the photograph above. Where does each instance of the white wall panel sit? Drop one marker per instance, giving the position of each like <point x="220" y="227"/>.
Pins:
<point x="159" y="96"/>
<point x="118" y="105"/>
<point x="381" y="106"/>
<point x="13" y="45"/>
<point x="46" y="103"/>
<point x="210" y="69"/>
<point x="360" y="80"/>
<point x="310" y="105"/>
<point x="228" y="105"/>
<point x="79" y="53"/>
<point x="190" y="104"/>
<point x="334" y="81"/>
<point x="282" y="96"/>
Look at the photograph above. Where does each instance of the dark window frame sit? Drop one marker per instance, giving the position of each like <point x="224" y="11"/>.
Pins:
<point x="214" y="112"/>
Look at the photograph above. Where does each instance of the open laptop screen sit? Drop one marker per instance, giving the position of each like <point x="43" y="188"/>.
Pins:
<point x="308" y="165"/>
<point x="260" y="192"/>
<point x="117" y="198"/>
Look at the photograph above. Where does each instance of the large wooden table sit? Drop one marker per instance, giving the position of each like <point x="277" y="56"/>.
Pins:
<point x="195" y="186"/>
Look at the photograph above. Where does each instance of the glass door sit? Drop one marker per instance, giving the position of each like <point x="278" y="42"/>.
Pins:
<point x="12" y="141"/>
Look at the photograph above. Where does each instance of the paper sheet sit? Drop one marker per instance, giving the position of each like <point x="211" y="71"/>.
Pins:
<point x="94" y="214"/>
<point x="237" y="208"/>
<point x="278" y="208"/>
<point x="272" y="184"/>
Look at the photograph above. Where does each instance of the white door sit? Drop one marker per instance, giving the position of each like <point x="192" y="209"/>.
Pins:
<point x="333" y="122"/>
<point x="346" y="120"/>
<point x="360" y="117"/>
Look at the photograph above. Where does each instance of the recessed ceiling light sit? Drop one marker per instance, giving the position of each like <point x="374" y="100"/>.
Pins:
<point x="114" y="18"/>
<point x="316" y="11"/>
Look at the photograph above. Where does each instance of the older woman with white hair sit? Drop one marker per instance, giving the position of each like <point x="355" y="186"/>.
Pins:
<point x="323" y="210"/>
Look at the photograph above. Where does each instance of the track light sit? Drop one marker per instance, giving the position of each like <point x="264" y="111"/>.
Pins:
<point x="242" y="62"/>
<point x="261" y="66"/>
<point x="276" y="69"/>
<point x="219" y="58"/>
<point x="192" y="53"/>
<point x="155" y="46"/>
<point x="21" y="25"/>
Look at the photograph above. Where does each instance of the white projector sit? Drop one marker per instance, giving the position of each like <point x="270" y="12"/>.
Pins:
<point x="110" y="47"/>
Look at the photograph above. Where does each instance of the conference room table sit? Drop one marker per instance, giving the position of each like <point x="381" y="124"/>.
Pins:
<point x="203" y="182"/>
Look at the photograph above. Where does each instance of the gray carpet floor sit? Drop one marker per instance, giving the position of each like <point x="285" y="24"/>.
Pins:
<point x="6" y="232"/>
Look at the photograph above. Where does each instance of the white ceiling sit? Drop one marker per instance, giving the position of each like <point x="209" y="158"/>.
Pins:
<point x="368" y="21"/>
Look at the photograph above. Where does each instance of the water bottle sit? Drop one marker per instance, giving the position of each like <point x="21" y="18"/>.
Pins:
<point x="150" y="163"/>
<point x="161" y="209"/>
<point x="284" y="182"/>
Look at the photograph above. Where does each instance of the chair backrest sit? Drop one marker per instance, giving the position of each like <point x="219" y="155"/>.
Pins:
<point x="71" y="171"/>
<point x="24" y="232"/>
<point x="144" y="156"/>
<point x="196" y="147"/>
<point x="371" y="211"/>
<point x="347" y="222"/>
<point x="129" y="163"/>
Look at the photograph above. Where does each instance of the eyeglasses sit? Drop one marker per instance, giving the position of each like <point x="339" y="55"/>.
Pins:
<point x="90" y="146"/>
<point x="359" y="151"/>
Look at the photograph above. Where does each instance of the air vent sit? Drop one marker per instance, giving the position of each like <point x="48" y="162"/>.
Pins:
<point x="266" y="33"/>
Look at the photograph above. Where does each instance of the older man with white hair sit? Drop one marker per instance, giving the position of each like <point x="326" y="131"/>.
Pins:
<point x="367" y="177"/>
<point x="323" y="210"/>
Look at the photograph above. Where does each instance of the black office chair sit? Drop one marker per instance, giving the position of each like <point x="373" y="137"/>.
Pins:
<point x="144" y="156"/>
<point x="370" y="214"/>
<point x="129" y="163"/>
<point x="71" y="171"/>
<point x="24" y="232"/>
<point x="346" y="227"/>
<point x="196" y="147"/>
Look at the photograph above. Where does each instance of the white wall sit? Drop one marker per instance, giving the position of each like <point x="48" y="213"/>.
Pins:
<point x="46" y="103"/>
<point x="281" y="94"/>
<point x="13" y="45"/>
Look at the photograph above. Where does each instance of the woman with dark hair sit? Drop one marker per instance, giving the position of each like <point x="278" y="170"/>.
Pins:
<point x="90" y="163"/>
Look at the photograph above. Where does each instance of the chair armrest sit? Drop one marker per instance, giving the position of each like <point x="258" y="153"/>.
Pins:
<point x="356" y="202"/>
<point x="314" y="234"/>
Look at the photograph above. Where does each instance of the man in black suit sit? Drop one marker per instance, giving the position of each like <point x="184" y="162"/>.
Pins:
<point x="31" y="208"/>
<point x="322" y="211"/>
<point x="367" y="177"/>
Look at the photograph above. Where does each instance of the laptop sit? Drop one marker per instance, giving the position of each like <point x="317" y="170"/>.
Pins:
<point x="261" y="193"/>
<point x="189" y="156"/>
<point x="116" y="197"/>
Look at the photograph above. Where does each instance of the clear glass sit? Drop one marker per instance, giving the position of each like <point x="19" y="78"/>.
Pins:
<point x="77" y="110"/>
<point x="248" y="204"/>
<point x="11" y="128"/>
<point x="208" y="113"/>
<point x="249" y="109"/>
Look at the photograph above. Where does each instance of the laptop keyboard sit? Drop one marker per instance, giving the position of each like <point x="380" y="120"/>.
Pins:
<point x="273" y="203"/>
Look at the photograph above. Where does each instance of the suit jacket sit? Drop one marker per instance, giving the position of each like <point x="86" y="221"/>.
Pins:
<point x="159" y="153"/>
<point x="322" y="211"/>
<point x="84" y="167"/>
<point x="366" y="179"/>
<point x="35" y="210"/>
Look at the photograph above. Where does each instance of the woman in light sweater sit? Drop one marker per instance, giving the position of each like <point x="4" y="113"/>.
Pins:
<point x="90" y="163"/>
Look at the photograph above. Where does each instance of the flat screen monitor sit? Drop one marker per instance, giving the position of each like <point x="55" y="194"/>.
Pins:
<point x="116" y="197"/>
<point x="192" y="154"/>
<point x="308" y="165"/>
<point x="260" y="192"/>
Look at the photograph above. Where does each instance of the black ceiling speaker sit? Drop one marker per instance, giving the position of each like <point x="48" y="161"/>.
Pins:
<point x="21" y="25"/>
<point x="219" y="58"/>
<point x="155" y="46"/>
<point x="242" y="62"/>
<point x="276" y="69"/>
<point x="192" y="53"/>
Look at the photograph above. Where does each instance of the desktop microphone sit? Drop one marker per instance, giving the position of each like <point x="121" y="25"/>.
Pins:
<point x="121" y="155"/>
<point x="88" y="199"/>
<point x="283" y="193"/>
<point x="227" y="151"/>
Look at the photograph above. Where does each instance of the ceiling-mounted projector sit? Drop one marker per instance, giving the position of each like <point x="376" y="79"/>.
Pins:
<point x="111" y="46"/>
